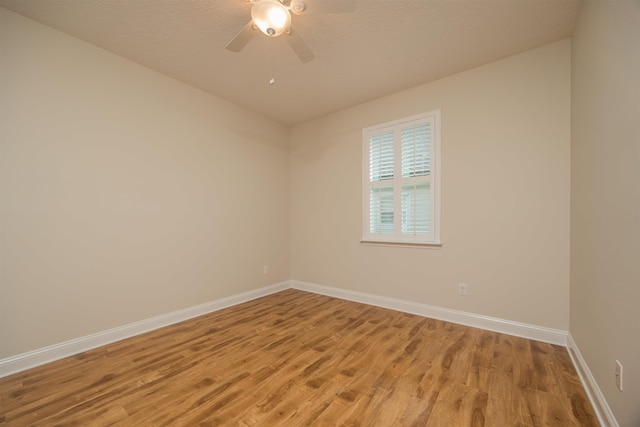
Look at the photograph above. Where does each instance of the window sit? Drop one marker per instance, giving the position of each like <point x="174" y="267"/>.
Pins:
<point x="401" y="181"/>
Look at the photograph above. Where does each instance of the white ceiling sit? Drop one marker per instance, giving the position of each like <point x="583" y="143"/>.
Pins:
<point x="381" y="48"/>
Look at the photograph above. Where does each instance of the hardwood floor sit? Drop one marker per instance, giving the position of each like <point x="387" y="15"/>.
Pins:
<point x="297" y="359"/>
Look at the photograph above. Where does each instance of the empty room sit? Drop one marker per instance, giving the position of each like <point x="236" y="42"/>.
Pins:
<point x="320" y="212"/>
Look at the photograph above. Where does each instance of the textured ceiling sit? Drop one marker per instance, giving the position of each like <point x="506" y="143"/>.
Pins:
<point x="382" y="47"/>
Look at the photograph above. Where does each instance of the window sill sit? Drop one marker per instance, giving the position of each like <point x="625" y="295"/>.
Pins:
<point x="431" y="245"/>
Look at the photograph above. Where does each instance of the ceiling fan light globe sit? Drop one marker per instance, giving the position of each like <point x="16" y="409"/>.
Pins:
<point x="271" y="17"/>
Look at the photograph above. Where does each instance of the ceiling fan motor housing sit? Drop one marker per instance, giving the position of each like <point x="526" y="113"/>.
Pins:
<point x="297" y="7"/>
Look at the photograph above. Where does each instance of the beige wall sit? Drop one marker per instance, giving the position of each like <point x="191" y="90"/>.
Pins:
<point x="125" y="194"/>
<point x="505" y="194"/>
<point x="605" y="198"/>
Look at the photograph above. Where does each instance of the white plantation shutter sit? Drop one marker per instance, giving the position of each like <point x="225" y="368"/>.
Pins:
<point x="416" y="209"/>
<point x="381" y="157"/>
<point x="381" y="210"/>
<point x="416" y="151"/>
<point x="401" y="181"/>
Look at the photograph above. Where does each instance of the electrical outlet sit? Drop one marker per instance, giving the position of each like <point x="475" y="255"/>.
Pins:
<point x="265" y="270"/>
<point x="462" y="289"/>
<point x="619" y="375"/>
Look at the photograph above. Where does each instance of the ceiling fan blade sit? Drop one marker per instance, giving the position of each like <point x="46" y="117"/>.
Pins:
<point x="299" y="46"/>
<point x="299" y="7"/>
<point x="242" y="38"/>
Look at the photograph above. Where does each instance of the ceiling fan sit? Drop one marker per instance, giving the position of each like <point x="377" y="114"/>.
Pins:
<point x="273" y="18"/>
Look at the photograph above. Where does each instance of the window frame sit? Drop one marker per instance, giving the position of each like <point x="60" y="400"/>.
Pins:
<point x="434" y="178"/>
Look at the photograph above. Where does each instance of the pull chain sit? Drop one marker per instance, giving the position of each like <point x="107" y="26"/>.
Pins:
<point x="272" y="79"/>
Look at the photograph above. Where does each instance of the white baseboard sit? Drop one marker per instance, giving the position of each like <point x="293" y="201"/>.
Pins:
<point x="21" y="362"/>
<point x="600" y="406"/>
<point x="68" y="348"/>
<point x="538" y="333"/>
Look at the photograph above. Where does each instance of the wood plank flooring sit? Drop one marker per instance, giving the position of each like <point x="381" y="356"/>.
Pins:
<point x="301" y="359"/>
